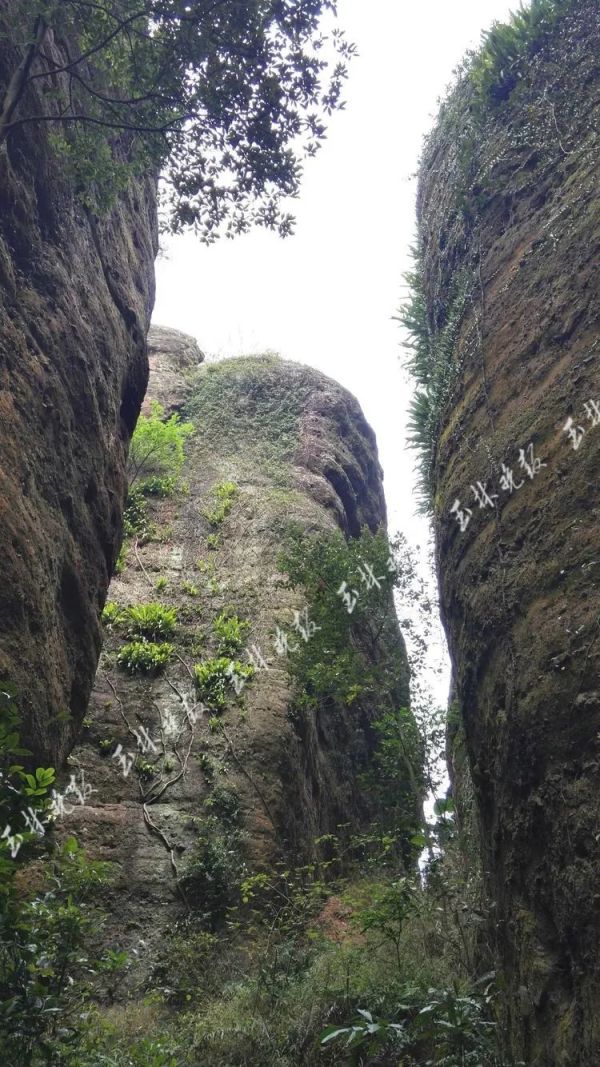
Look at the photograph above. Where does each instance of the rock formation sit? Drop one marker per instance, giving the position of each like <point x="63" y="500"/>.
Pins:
<point x="509" y="241"/>
<point x="268" y="772"/>
<point x="76" y="293"/>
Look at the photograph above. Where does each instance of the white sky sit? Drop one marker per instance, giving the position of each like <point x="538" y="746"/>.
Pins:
<point x="326" y="296"/>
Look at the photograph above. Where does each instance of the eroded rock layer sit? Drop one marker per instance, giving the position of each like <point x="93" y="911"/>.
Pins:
<point x="76" y="294"/>
<point x="509" y="225"/>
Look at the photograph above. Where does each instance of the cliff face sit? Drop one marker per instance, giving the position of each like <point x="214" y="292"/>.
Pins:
<point x="508" y="214"/>
<point x="262" y="777"/>
<point x="76" y="294"/>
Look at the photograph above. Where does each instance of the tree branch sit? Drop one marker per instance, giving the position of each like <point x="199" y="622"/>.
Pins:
<point x="99" y="122"/>
<point x="16" y="86"/>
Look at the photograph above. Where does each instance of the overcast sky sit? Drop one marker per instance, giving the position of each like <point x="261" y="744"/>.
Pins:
<point x="326" y="296"/>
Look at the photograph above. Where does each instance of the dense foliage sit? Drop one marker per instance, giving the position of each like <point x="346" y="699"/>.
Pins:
<point x="145" y="657"/>
<point x="431" y="361"/>
<point x="48" y="966"/>
<point x="157" y="449"/>
<point x="225" y="97"/>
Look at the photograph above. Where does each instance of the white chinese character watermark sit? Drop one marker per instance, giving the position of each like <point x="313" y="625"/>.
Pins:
<point x="58" y="808"/>
<point x="592" y="410"/>
<point x="533" y="466"/>
<point x="14" y="841"/>
<point x="350" y="597"/>
<point x="256" y="658"/>
<point x="236" y="679"/>
<point x="126" y="761"/>
<point x="83" y="791"/>
<point x="303" y="625"/>
<point x="282" y="643"/>
<point x="367" y="576"/>
<point x="33" y="823"/>
<point x="572" y="432"/>
<point x="507" y="481"/>
<point x="481" y="495"/>
<point x="144" y="741"/>
<point x="463" y="515"/>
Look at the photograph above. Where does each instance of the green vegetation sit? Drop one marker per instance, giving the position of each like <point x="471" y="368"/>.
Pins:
<point x="225" y="804"/>
<point x="343" y="659"/>
<point x="191" y="589"/>
<point x="22" y="793"/>
<point x="136" y="518"/>
<point x="231" y="633"/>
<point x="144" y="657"/>
<point x="507" y="48"/>
<point x="112" y="614"/>
<point x="215" y="679"/>
<point x="330" y="663"/>
<point x="149" y="621"/>
<point x="205" y="566"/>
<point x="276" y="967"/>
<point x="156" y="453"/>
<point x="224" y="494"/>
<point x="121" y="559"/>
<point x="161" y="583"/>
<point x="260" y="423"/>
<point x="211" y="874"/>
<point x="47" y="968"/>
<point x="432" y="363"/>
<point x="224" y="100"/>
<point x="394" y="958"/>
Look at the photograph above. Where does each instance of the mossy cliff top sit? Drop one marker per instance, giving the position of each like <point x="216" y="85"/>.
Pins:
<point x="296" y="428"/>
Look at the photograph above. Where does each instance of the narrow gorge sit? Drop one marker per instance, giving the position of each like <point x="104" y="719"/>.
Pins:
<point x="227" y="837"/>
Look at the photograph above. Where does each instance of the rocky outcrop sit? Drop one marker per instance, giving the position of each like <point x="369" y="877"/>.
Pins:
<point x="76" y="292"/>
<point x="268" y="774"/>
<point x="509" y="223"/>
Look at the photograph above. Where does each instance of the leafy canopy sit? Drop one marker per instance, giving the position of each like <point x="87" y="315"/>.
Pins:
<point x="225" y="97"/>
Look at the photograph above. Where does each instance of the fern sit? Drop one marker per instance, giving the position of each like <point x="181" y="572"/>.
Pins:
<point x="506" y="48"/>
<point x="431" y="362"/>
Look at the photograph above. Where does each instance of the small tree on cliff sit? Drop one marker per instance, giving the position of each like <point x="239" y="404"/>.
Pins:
<point x="224" y="97"/>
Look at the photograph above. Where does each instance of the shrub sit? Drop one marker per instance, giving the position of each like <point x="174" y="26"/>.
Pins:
<point x="224" y="804"/>
<point x="215" y="678"/>
<point x="231" y="632"/>
<point x="121" y="559"/>
<point x="224" y="494"/>
<point x="205" y="566"/>
<point x="144" y="657"/>
<point x="112" y="614"/>
<point x="156" y="454"/>
<point x="150" y="621"/>
<point x="136" y="521"/>
<point x="212" y="872"/>
<point x="158" y="486"/>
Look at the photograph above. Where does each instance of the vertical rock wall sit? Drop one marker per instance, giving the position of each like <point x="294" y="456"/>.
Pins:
<point x="76" y="294"/>
<point x="508" y="214"/>
<point x="297" y="447"/>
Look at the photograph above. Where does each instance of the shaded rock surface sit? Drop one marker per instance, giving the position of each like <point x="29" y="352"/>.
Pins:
<point x="520" y="585"/>
<point x="76" y="294"/>
<point x="297" y="447"/>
